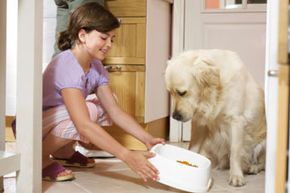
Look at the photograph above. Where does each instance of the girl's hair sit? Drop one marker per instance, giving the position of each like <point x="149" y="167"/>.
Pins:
<point x="89" y="16"/>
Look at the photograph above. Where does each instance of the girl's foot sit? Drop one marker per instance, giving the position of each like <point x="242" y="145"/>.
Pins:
<point x="55" y="172"/>
<point x="76" y="160"/>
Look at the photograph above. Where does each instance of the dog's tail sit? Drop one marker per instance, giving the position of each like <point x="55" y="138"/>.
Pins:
<point x="259" y="150"/>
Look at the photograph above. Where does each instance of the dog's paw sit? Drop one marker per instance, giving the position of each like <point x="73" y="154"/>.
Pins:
<point x="255" y="168"/>
<point x="236" y="180"/>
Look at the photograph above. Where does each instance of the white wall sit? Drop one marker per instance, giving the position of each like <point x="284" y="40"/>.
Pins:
<point x="49" y="22"/>
<point x="11" y="47"/>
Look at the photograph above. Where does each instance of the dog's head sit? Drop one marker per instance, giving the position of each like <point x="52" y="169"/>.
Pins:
<point x="192" y="80"/>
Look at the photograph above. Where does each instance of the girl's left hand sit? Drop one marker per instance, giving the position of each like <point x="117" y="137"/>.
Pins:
<point x="138" y="162"/>
<point x="153" y="141"/>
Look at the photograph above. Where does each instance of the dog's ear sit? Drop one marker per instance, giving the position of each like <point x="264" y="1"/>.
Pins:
<point x="205" y="73"/>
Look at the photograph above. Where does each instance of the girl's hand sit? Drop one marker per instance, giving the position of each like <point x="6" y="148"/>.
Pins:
<point x="138" y="162"/>
<point x="153" y="141"/>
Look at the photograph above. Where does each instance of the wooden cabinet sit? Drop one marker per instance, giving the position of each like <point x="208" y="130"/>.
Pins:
<point x="137" y="62"/>
<point x="130" y="42"/>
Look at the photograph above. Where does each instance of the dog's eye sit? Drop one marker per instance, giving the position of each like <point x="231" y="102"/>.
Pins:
<point x="181" y="93"/>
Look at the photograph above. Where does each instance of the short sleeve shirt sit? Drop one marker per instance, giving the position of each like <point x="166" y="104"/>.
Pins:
<point x="64" y="71"/>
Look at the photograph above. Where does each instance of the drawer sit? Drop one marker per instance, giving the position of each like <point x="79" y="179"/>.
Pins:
<point x="127" y="8"/>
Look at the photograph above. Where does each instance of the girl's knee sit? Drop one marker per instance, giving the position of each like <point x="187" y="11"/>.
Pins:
<point x="93" y="111"/>
<point x="97" y="113"/>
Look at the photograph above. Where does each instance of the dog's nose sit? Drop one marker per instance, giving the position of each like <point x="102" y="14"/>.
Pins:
<point x="176" y="115"/>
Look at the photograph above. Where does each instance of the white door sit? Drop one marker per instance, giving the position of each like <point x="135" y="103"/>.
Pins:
<point x="237" y="25"/>
<point x="228" y="26"/>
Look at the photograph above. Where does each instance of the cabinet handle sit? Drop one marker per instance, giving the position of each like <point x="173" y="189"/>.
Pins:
<point x="108" y="67"/>
<point x="118" y="68"/>
<point x="273" y="73"/>
<point x="114" y="68"/>
<point x="120" y="20"/>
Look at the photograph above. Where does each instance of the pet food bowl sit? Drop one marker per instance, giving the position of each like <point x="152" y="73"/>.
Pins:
<point x="181" y="168"/>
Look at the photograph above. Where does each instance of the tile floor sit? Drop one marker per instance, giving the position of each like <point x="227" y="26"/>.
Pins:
<point x="113" y="176"/>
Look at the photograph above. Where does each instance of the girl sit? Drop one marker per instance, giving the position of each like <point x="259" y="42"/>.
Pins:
<point x="67" y="117"/>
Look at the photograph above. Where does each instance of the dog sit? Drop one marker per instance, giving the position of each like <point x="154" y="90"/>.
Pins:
<point x="226" y="105"/>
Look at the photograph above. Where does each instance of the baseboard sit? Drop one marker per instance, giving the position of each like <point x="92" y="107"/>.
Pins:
<point x="8" y="120"/>
<point x="157" y="128"/>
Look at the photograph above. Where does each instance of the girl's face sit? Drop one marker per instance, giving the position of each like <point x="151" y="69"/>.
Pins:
<point x="98" y="44"/>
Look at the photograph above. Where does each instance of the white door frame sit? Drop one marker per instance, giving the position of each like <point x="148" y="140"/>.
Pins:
<point x="271" y="92"/>
<point x="175" y="133"/>
<point x="29" y="96"/>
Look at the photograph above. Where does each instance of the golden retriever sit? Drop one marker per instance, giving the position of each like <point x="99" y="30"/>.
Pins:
<point x="226" y="105"/>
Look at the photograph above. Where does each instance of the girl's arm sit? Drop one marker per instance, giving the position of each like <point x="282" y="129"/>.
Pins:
<point x="123" y="119"/>
<point x="78" y="111"/>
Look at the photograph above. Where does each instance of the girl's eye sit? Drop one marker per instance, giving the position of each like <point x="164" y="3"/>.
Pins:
<point x="104" y="36"/>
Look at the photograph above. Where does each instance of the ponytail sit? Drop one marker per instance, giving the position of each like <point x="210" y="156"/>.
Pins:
<point x="64" y="41"/>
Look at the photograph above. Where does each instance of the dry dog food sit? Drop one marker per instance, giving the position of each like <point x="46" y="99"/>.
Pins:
<point x="187" y="163"/>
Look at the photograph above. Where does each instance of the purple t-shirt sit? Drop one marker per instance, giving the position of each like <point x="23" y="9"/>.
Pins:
<point x="64" y="71"/>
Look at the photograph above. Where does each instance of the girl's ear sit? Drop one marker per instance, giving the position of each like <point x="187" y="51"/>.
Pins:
<point x="82" y="35"/>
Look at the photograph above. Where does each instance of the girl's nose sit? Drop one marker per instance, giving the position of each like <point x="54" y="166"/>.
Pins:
<point x="109" y="42"/>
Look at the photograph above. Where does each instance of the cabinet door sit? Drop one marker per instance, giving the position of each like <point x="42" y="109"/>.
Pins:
<point x="158" y="48"/>
<point x="127" y="82"/>
<point x="129" y="44"/>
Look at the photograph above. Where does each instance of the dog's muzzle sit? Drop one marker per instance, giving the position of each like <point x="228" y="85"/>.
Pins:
<point x="176" y="115"/>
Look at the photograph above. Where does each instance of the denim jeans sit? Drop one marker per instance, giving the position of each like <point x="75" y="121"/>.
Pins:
<point x="64" y="8"/>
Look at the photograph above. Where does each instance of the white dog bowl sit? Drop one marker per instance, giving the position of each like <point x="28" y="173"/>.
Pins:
<point x="194" y="178"/>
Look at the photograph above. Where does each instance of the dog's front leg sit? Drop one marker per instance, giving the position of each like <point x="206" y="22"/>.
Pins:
<point x="236" y="177"/>
<point x="198" y="135"/>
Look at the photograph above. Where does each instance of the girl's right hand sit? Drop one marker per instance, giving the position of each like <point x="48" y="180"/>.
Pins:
<point x="138" y="162"/>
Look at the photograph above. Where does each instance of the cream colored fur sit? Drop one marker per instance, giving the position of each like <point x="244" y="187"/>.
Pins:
<point x="226" y="105"/>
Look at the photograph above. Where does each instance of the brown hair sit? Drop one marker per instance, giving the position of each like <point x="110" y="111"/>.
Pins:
<point x="89" y="16"/>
